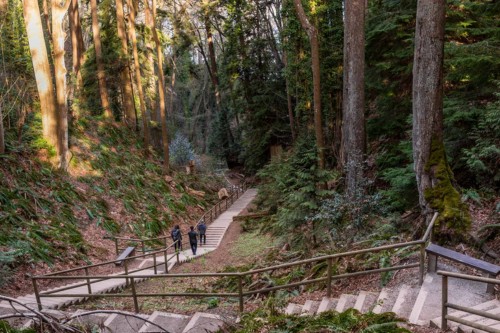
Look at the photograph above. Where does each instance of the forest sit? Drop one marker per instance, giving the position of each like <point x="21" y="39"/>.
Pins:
<point x="356" y="120"/>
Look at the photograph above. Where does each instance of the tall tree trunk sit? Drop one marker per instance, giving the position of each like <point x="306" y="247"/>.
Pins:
<point x="161" y="91"/>
<point x="138" y="78"/>
<point x="58" y="38"/>
<point x="128" y="98"/>
<point x="2" y="137"/>
<point x="312" y="33"/>
<point x="78" y="49"/>
<point x="41" y="67"/>
<point x="434" y="176"/>
<point x="151" y="92"/>
<point x="354" y="93"/>
<point x="214" y="75"/>
<point x="101" y="75"/>
<point x="291" y="118"/>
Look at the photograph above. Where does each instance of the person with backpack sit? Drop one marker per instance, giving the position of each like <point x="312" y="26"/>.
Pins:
<point x="177" y="238"/>
<point x="193" y="240"/>
<point x="202" y="229"/>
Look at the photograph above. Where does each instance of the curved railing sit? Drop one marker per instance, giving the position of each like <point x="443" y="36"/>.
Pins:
<point x="243" y="276"/>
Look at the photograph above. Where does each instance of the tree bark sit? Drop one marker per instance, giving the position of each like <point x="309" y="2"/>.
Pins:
<point x="101" y="76"/>
<point x="78" y="48"/>
<point x="291" y="117"/>
<point x="138" y="79"/>
<point x="128" y="98"/>
<point x="434" y="176"/>
<point x="354" y="95"/>
<point x="312" y="33"/>
<point x="41" y="67"/>
<point x="58" y="38"/>
<point x="161" y="90"/>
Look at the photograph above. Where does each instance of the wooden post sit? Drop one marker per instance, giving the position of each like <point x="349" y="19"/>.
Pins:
<point x="89" y="288"/>
<point x="422" y="261"/>
<point x="125" y="266"/>
<point x="134" y="295"/>
<point x="240" y="292"/>
<point x="177" y="254"/>
<point x="143" y="247"/>
<point x="154" y="263"/>
<point x="444" y="301"/>
<point x="37" y="294"/>
<point x="329" y="278"/>
<point x="165" y="259"/>
<point x="166" y="242"/>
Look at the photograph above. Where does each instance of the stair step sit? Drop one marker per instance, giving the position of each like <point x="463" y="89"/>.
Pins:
<point x="345" y="302"/>
<point x="405" y="301"/>
<point x="385" y="300"/>
<point x="366" y="301"/>
<point x="170" y="322"/>
<point x="119" y="323"/>
<point x="204" y="323"/>
<point x="327" y="304"/>
<point x="310" y="307"/>
<point x="293" y="308"/>
<point x="91" y="321"/>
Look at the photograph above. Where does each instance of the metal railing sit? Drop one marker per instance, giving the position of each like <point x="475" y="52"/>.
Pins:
<point x="243" y="276"/>
<point x="445" y="304"/>
<point x="208" y="217"/>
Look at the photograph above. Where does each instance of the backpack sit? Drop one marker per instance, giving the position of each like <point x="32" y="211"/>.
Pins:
<point x="175" y="234"/>
<point x="202" y="228"/>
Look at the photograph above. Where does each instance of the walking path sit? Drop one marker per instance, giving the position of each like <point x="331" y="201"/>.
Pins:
<point x="215" y="233"/>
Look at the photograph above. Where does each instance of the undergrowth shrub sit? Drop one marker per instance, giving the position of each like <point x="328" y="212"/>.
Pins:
<point x="181" y="151"/>
<point x="293" y="188"/>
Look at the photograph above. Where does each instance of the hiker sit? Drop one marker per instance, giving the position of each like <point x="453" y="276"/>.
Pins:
<point x="193" y="240"/>
<point x="202" y="229"/>
<point x="177" y="238"/>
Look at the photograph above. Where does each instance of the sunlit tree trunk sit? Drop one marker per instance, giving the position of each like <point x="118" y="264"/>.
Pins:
<point x="354" y="93"/>
<point x="161" y="91"/>
<point x="78" y="48"/>
<point x="152" y="90"/>
<point x="128" y="98"/>
<point x="434" y="176"/>
<point x="312" y="33"/>
<point x="101" y="76"/>
<point x="138" y="78"/>
<point x="58" y="37"/>
<point x="41" y="67"/>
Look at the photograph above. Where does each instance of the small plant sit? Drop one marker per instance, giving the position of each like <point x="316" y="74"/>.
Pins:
<point x="181" y="151"/>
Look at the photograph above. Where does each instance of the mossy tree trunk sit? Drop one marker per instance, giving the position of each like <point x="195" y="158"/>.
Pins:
<point x="78" y="48"/>
<point x="434" y="176"/>
<point x="353" y="134"/>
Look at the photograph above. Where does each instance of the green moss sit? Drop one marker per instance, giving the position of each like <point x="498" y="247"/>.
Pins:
<point x="453" y="213"/>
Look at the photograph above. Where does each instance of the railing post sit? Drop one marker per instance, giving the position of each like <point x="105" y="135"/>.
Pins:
<point x="134" y="295"/>
<point x="166" y="242"/>
<point x="116" y="246"/>
<point x="422" y="261"/>
<point x="125" y="266"/>
<point x="329" y="278"/>
<point x="177" y="253"/>
<point x="37" y="294"/>
<point x="240" y="292"/>
<point x="166" y="260"/>
<point x="154" y="263"/>
<point x="444" y="301"/>
<point x="143" y="247"/>
<point x="89" y="288"/>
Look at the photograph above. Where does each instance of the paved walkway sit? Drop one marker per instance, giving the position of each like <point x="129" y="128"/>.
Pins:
<point x="215" y="233"/>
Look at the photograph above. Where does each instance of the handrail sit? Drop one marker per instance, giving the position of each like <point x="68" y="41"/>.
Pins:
<point x="235" y="192"/>
<point x="445" y="304"/>
<point x="131" y="278"/>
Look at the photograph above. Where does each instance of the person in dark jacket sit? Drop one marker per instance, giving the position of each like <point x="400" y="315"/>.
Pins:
<point x="193" y="240"/>
<point x="202" y="229"/>
<point x="177" y="237"/>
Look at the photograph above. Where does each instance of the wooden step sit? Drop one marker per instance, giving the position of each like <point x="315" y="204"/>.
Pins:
<point x="170" y="322"/>
<point x="366" y="301"/>
<point x="346" y="301"/>
<point x="327" y="304"/>
<point x="204" y="323"/>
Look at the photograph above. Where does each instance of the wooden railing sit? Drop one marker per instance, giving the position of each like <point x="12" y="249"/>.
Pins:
<point x="445" y="304"/>
<point x="208" y="217"/>
<point x="242" y="276"/>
